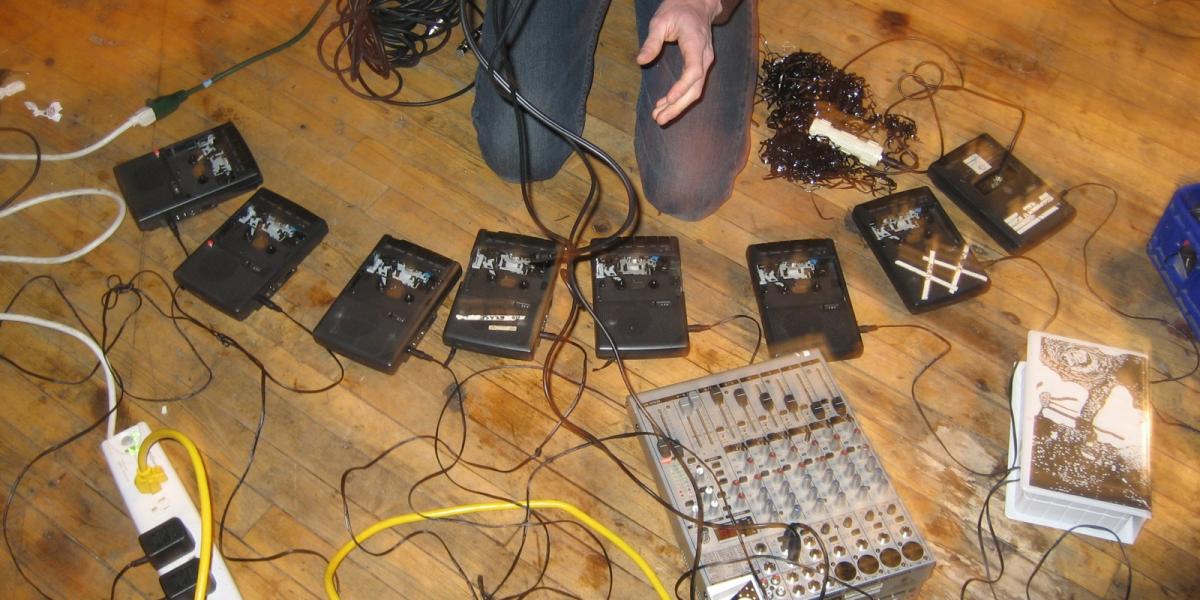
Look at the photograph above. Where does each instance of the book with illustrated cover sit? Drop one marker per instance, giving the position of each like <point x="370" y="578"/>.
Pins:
<point x="1085" y="422"/>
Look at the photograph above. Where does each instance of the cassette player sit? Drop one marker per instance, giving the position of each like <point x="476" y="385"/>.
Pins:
<point x="1006" y="199"/>
<point x="637" y="293"/>
<point x="388" y="304"/>
<point x="187" y="177"/>
<point x="803" y="298"/>
<point x="505" y="295"/>
<point x="921" y="251"/>
<point x="252" y="254"/>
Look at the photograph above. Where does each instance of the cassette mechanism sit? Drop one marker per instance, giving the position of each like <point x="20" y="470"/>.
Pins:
<point x="803" y="299"/>
<point x="1006" y="199"/>
<point x="637" y="292"/>
<point x="187" y="177"/>
<point x="921" y="251"/>
<point x="505" y="295"/>
<point x="388" y="304"/>
<point x="252" y="254"/>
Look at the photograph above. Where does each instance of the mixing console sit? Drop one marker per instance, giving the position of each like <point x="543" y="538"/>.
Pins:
<point x="771" y="445"/>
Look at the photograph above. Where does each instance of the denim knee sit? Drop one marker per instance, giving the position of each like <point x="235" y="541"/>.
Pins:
<point x="497" y="136"/>
<point x="688" y="190"/>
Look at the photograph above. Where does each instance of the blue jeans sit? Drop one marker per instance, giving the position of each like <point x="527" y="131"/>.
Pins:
<point x="687" y="167"/>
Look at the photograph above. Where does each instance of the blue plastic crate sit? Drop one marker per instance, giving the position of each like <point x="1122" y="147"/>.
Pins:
<point x="1175" y="239"/>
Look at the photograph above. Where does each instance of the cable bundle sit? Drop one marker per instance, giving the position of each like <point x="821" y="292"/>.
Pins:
<point x="796" y="87"/>
<point x="381" y="37"/>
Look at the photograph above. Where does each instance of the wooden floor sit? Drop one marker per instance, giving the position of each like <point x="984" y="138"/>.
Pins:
<point x="1109" y="101"/>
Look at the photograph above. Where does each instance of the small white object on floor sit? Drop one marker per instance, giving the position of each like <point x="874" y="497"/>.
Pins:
<point x="52" y="112"/>
<point x="12" y="89"/>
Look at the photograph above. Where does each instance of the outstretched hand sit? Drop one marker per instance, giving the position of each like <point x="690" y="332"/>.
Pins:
<point x="688" y="23"/>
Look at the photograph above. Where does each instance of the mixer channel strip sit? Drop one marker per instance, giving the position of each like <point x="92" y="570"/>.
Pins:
<point x="770" y="445"/>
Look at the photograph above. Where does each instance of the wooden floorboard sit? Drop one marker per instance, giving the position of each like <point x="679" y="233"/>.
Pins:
<point x="1107" y="100"/>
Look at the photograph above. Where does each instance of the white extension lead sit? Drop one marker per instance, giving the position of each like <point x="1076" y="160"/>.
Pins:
<point x="144" y="117"/>
<point x="54" y="260"/>
<point x="109" y="382"/>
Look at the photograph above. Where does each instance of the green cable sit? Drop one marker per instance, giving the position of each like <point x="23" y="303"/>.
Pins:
<point x="169" y="103"/>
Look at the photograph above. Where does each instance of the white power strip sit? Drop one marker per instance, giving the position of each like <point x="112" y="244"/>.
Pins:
<point x="151" y="510"/>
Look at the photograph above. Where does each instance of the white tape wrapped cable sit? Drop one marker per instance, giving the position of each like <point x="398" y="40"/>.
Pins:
<point x="866" y="151"/>
<point x="54" y="260"/>
<point x="109" y="382"/>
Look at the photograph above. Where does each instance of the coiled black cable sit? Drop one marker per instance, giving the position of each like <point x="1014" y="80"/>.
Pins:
<point x="378" y="38"/>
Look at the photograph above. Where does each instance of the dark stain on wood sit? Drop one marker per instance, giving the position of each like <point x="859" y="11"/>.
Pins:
<point x="217" y="112"/>
<point x="318" y="296"/>
<point x="1028" y="67"/>
<point x="892" y="22"/>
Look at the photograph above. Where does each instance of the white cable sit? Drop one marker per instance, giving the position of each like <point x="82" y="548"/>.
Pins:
<point x="109" y="383"/>
<point x="54" y="260"/>
<point x="144" y="117"/>
<point x="12" y="89"/>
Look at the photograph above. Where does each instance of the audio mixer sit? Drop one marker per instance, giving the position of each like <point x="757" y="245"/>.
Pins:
<point x="771" y="445"/>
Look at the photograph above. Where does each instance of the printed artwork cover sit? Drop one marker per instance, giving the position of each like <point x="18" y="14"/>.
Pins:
<point x="1086" y="421"/>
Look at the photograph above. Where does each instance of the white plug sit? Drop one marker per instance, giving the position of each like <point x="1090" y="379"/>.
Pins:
<point x="12" y="89"/>
<point x="144" y="116"/>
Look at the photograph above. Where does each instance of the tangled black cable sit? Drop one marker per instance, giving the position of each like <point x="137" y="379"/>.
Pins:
<point x="1087" y="280"/>
<point x="37" y="165"/>
<point x="108" y="303"/>
<point x="379" y="38"/>
<point x="803" y="86"/>
<point x="925" y="81"/>
<point x="110" y="335"/>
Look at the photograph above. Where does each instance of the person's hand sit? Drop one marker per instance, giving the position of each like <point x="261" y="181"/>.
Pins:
<point x="688" y="23"/>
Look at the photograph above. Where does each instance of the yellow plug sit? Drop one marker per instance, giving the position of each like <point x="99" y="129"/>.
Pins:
<point x="150" y="479"/>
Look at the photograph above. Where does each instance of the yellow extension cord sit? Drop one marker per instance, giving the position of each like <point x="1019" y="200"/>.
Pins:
<point x="466" y="509"/>
<point x="148" y="478"/>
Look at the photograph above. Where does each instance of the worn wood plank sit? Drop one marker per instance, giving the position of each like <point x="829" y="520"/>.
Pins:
<point x="1107" y="101"/>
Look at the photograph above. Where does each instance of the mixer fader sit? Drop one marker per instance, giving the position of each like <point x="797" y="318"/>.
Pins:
<point x="771" y="445"/>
